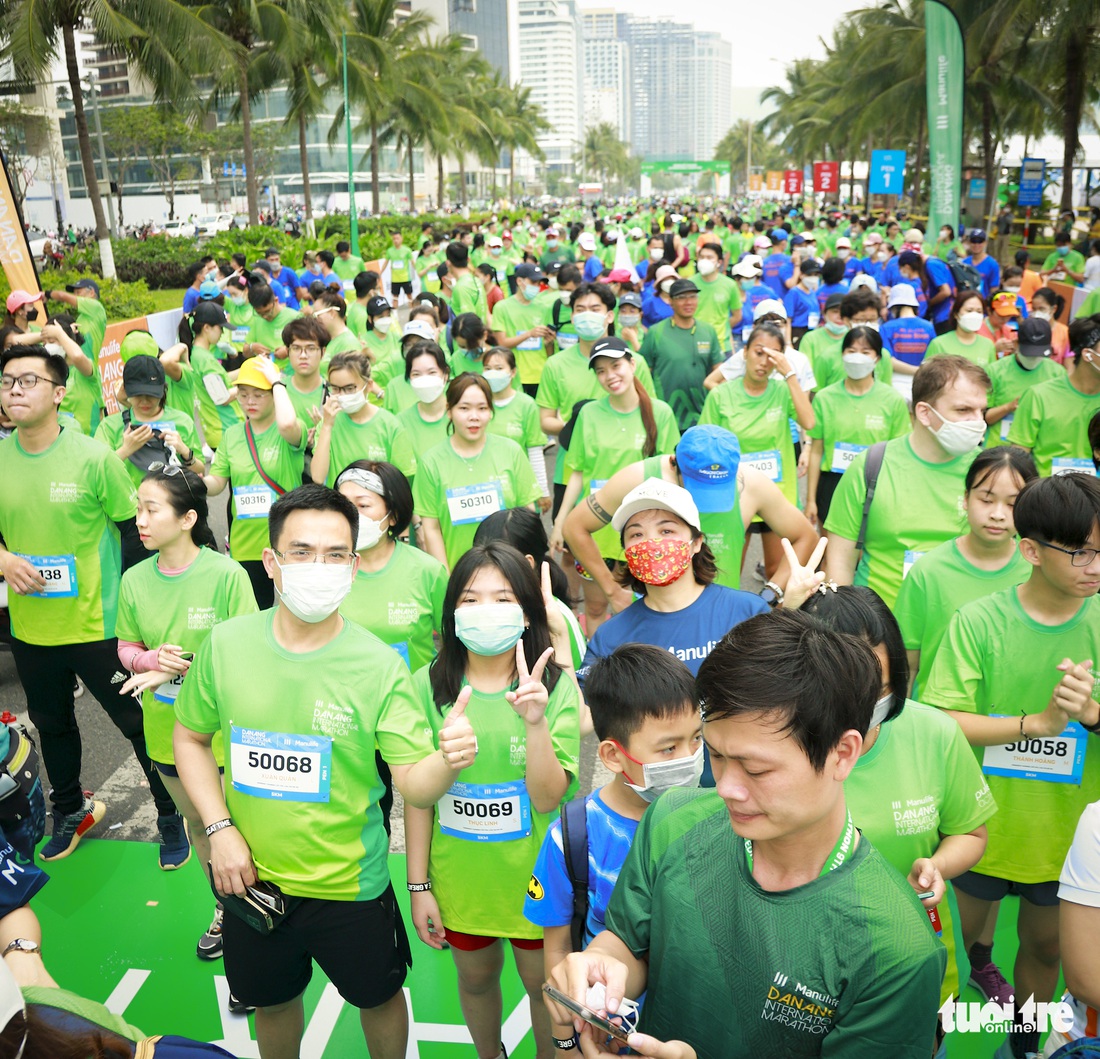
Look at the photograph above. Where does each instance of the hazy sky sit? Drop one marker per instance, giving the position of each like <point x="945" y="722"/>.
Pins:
<point x="790" y="28"/>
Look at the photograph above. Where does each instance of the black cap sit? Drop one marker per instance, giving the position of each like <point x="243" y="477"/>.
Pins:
<point x="209" y="313"/>
<point x="611" y="346"/>
<point x="976" y="235"/>
<point x="1035" y="337"/>
<point x="83" y="284"/>
<point x="143" y="376"/>
<point x="681" y="287"/>
<point x="377" y="305"/>
<point x="834" y="301"/>
<point x="529" y="271"/>
<point x="810" y="267"/>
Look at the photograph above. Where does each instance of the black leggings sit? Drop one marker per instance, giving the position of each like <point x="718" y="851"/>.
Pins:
<point x="48" y="675"/>
<point x="826" y="486"/>
<point x="263" y="588"/>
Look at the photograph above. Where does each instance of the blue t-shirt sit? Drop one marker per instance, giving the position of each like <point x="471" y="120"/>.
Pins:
<point x="938" y="274"/>
<point x="907" y="338"/>
<point x="750" y="299"/>
<point x="654" y="309"/>
<point x="190" y="300"/>
<point x="592" y="269"/>
<point x="609" y="839"/>
<point x="777" y="268"/>
<point x="802" y="308"/>
<point x="852" y="268"/>
<point x="991" y="273"/>
<point x="288" y="278"/>
<point x="825" y="292"/>
<point x="690" y="634"/>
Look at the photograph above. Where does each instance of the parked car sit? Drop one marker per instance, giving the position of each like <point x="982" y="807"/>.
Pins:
<point x="37" y="240"/>
<point x="177" y="228"/>
<point x="213" y="223"/>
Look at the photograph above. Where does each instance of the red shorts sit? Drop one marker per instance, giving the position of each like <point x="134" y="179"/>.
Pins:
<point x="473" y="942"/>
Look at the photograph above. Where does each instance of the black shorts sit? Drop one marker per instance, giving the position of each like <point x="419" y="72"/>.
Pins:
<point x="992" y="888"/>
<point x="402" y="288"/>
<point x="270" y="969"/>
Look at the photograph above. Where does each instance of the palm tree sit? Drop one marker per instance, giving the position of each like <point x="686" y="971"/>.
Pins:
<point x="602" y="152"/>
<point x="385" y="63"/>
<point x="161" y="39"/>
<point x="310" y="69"/>
<point x="262" y="31"/>
<point x="734" y="148"/>
<point x="523" y="121"/>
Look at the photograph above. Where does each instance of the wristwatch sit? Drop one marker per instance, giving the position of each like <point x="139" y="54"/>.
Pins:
<point x="772" y="594"/>
<point x="22" y="945"/>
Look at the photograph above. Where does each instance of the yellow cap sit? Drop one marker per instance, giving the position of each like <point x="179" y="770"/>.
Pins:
<point x="250" y="375"/>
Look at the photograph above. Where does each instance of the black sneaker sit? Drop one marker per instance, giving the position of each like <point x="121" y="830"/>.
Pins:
<point x="239" y="1007"/>
<point x="210" y="944"/>
<point x="175" y="846"/>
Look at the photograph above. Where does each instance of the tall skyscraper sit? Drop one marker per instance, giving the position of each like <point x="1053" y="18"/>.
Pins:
<point x="551" y="63"/>
<point x="487" y="25"/>
<point x="713" y="111"/>
<point x="607" y="84"/>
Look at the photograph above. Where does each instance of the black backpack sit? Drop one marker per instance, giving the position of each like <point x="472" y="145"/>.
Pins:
<point x="966" y="277"/>
<point x="574" y="844"/>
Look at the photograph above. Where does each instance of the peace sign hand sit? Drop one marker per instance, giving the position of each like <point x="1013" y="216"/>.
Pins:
<point x="803" y="581"/>
<point x="457" y="740"/>
<point x="530" y="698"/>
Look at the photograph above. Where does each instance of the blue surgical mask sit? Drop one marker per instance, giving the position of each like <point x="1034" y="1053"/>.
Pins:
<point x="590" y="326"/>
<point x="489" y="628"/>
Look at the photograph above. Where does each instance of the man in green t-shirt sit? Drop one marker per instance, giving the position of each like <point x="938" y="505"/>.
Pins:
<point x="84" y="394"/>
<point x="918" y="501"/>
<point x="813" y="945"/>
<point x="467" y="295"/>
<point x="66" y="505"/>
<point x="346" y="265"/>
<point x="265" y="331"/>
<point x="400" y="260"/>
<point x="1015" y="670"/>
<point x="681" y="352"/>
<point x="522" y="323"/>
<point x="1065" y="264"/>
<point x="301" y="697"/>
<point x="719" y="296"/>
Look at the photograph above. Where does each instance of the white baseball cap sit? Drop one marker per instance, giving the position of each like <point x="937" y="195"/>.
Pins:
<point x="748" y="267"/>
<point x="863" y="280"/>
<point x="587" y="241"/>
<point x="656" y="493"/>
<point x="770" y="306"/>
<point x="761" y="242"/>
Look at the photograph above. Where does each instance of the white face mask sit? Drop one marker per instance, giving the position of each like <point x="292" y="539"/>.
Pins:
<point x="811" y="282"/>
<point x="313" y="591"/>
<point x="970" y="321"/>
<point x="498" y="379"/>
<point x="957" y="437"/>
<point x="706" y="267"/>
<point x="656" y="253"/>
<point x="629" y="319"/>
<point x="660" y="776"/>
<point x="882" y="708"/>
<point x="382" y="324"/>
<point x="1028" y="363"/>
<point x="352" y="402"/>
<point x="371" y="532"/>
<point x="427" y="388"/>
<point x="1041" y="314"/>
<point x="872" y="324"/>
<point x="858" y="365"/>
<point x="882" y="255"/>
<point x="843" y="254"/>
<point x="666" y="285"/>
<point x="238" y="299"/>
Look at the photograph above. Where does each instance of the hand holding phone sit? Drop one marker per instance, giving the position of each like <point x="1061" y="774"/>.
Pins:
<point x="593" y="1018"/>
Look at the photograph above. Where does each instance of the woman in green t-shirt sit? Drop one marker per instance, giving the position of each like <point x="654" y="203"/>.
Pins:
<point x="462" y="481"/>
<point x="201" y="332"/>
<point x="758" y="409"/>
<point x="967" y="319"/>
<point x="515" y="414"/>
<point x="505" y="663"/>
<point x="427" y="375"/>
<point x="166" y="609"/>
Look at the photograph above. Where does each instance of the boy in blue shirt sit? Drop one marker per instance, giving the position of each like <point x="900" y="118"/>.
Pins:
<point x="646" y="715"/>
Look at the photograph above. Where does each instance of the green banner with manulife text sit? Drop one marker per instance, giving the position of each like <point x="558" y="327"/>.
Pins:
<point x="945" y="81"/>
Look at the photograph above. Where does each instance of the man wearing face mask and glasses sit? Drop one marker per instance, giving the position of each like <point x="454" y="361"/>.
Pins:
<point x="920" y="482"/>
<point x="298" y="810"/>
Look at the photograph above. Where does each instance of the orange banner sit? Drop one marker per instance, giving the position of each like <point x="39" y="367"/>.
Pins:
<point x="15" y="251"/>
<point x="756" y="182"/>
<point x="775" y="180"/>
<point x="110" y="360"/>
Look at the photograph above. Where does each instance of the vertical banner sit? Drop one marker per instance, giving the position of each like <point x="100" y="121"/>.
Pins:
<point x="792" y="181"/>
<point x="15" y="251"/>
<point x="887" y="173"/>
<point x="826" y="177"/>
<point x="945" y="78"/>
<point x="1032" y="173"/>
<point x="756" y="182"/>
<point x="775" y="180"/>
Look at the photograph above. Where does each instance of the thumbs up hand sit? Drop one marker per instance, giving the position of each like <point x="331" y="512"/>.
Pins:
<point x="456" y="738"/>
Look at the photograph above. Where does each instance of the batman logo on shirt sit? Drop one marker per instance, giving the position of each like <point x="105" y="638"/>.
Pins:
<point x="535" y="890"/>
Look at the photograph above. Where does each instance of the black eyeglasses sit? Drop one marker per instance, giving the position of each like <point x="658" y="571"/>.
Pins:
<point x="173" y="470"/>
<point x="1077" y="556"/>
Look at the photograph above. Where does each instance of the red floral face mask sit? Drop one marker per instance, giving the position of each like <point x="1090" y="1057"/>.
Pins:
<point x="659" y="561"/>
